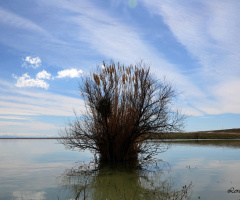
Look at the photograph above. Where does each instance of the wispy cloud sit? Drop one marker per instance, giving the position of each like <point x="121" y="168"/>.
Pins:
<point x="25" y="112"/>
<point x="26" y="34"/>
<point x="109" y="37"/>
<point x="7" y="117"/>
<point x="24" y="127"/>
<point x="226" y="98"/>
<point x="31" y="62"/>
<point x="17" y="102"/>
<point x="115" y="39"/>
<point x="26" y="81"/>
<point x="71" y="73"/>
<point x="11" y="19"/>
<point x="103" y="31"/>
<point x="209" y="30"/>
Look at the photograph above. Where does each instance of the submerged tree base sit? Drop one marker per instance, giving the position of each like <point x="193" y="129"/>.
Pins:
<point x="123" y="181"/>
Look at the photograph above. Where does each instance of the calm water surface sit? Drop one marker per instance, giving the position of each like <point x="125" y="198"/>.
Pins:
<point x="43" y="169"/>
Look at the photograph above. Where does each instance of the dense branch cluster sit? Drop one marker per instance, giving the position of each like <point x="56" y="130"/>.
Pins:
<point x="124" y="107"/>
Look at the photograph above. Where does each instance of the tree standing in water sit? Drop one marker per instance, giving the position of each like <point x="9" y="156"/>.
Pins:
<point x="125" y="106"/>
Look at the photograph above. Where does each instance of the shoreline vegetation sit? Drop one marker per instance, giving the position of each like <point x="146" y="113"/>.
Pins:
<point x="213" y="134"/>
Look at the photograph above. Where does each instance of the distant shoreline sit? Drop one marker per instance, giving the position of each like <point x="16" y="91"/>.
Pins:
<point x="213" y="134"/>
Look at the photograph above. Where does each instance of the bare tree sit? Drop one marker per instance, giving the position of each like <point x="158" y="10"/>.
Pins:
<point x="125" y="106"/>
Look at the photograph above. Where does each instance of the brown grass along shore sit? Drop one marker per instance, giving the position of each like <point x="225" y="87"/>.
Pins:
<point x="214" y="134"/>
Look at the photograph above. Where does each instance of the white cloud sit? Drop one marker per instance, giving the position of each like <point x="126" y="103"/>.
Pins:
<point x="71" y="73"/>
<point x="32" y="62"/>
<point x="43" y="75"/>
<point x="26" y="81"/>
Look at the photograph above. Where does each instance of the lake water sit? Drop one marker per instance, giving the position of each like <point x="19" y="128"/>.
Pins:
<point x="43" y="169"/>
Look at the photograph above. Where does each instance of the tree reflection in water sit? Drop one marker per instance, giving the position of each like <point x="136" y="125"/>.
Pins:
<point x="122" y="181"/>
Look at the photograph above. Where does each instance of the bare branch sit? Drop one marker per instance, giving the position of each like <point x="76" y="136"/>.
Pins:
<point x="124" y="107"/>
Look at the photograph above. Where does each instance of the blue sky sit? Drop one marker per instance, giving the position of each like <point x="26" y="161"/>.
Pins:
<point x="46" y="45"/>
